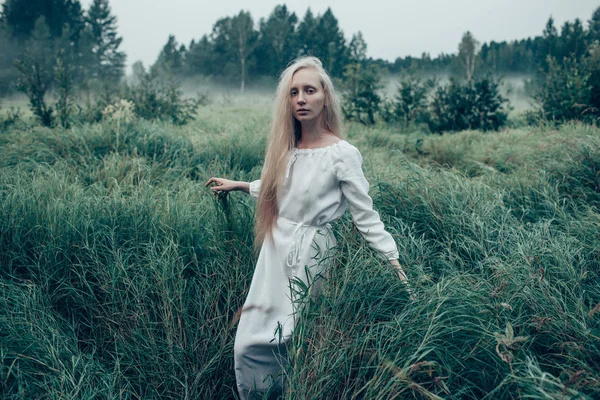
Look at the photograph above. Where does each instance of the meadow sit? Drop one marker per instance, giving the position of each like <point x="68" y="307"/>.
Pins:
<point x="122" y="274"/>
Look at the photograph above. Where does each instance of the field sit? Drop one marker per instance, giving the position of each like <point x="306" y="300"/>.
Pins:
<point x="121" y="273"/>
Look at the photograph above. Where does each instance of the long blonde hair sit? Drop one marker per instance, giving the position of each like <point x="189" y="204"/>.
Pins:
<point x="285" y="133"/>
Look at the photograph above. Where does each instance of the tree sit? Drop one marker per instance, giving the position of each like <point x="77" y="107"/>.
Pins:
<point x="306" y="35"/>
<point x="21" y="16"/>
<point x="276" y="40"/>
<point x="573" y="41"/>
<point x="332" y="48"/>
<point x="594" y="26"/>
<point x="467" y="54"/>
<point x="170" y="59"/>
<point x="10" y="51"/>
<point x="358" y="48"/>
<point x="200" y="57"/>
<point x="109" y="62"/>
<point x="245" y="38"/>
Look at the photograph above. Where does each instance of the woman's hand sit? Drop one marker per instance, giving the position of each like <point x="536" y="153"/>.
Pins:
<point x="404" y="279"/>
<point x="222" y="185"/>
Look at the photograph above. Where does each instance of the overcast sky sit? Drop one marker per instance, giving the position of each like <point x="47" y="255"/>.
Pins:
<point x="391" y="28"/>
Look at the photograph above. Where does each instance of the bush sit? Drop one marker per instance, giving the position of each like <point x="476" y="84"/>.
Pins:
<point x="473" y="105"/>
<point x="410" y="104"/>
<point x="164" y="101"/>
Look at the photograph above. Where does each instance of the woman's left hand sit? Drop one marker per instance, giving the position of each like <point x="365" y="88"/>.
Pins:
<point x="404" y="279"/>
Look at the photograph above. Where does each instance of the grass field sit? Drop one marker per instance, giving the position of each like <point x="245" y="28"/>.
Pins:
<point x="121" y="274"/>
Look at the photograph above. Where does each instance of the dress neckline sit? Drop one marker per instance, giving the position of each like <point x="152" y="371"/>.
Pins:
<point x="317" y="149"/>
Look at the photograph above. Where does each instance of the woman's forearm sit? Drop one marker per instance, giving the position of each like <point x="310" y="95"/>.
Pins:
<point x="243" y="186"/>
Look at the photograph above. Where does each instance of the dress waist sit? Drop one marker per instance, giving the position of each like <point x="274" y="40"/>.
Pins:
<point x="302" y="232"/>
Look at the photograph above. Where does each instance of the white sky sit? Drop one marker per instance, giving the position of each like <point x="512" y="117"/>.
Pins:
<point x="391" y="28"/>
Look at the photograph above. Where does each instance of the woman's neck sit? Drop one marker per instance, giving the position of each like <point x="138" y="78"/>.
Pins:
<point x="312" y="132"/>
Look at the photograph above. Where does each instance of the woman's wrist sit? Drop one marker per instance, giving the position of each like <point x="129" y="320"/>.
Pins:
<point x="399" y="269"/>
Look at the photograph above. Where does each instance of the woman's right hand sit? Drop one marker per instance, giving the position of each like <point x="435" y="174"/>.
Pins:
<point x="222" y="185"/>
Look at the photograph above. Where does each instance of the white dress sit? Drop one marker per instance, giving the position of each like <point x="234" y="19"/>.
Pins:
<point x="318" y="185"/>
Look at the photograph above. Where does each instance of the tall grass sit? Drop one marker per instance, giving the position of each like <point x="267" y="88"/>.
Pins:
<point x="122" y="275"/>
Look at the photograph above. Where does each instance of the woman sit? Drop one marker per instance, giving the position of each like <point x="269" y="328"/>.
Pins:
<point x="309" y="176"/>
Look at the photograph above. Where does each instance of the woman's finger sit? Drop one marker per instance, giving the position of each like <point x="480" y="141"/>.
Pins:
<point x="211" y="180"/>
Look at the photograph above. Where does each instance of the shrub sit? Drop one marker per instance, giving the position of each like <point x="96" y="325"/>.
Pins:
<point x="410" y="104"/>
<point x="473" y="105"/>
<point x="162" y="100"/>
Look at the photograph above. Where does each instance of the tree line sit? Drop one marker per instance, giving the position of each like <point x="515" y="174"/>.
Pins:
<point x="242" y="49"/>
<point x="237" y="48"/>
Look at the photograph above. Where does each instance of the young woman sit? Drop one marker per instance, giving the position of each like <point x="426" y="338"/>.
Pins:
<point x="309" y="176"/>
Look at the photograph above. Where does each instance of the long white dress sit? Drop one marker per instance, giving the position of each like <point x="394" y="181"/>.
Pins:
<point x="318" y="185"/>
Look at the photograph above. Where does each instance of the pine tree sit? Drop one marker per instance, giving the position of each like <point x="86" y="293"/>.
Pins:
<point x="109" y="62"/>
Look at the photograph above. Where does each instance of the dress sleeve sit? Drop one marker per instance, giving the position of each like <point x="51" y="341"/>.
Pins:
<point x="355" y="189"/>
<point x="254" y="189"/>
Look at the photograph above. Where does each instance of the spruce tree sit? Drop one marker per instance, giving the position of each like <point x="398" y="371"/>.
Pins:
<point x="277" y="47"/>
<point x="170" y="60"/>
<point x="331" y="44"/>
<point x="108" y="60"/>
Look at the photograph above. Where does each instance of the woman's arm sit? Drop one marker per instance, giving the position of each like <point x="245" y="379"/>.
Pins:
<point x="226" y="185"/>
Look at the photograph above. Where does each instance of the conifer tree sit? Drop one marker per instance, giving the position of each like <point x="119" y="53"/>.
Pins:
<point x="276" y="47"/>
<point x="170" y="59"/>
<point x="109" y="61"/>
<point x="594" y="26"/>
<point x="21" y="16"/>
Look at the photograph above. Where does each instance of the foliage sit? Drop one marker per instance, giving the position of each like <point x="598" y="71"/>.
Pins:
<point x="162" y="100"/>
<point x="41" y="29"/>
<point x="65" y="90"/>
<point x="21" y="16"/>
<point x="33" y="82"/>
<point x="361" y="99"/>
<point x="476" y="104"/>
<point x="571" y="89"/>
<point x="109" y="62"/>
<point x="276" y="45"/>
<point x="410" y="105"/>
<point x="467" y="54"/>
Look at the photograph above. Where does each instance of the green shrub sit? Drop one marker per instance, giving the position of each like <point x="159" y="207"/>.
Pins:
<point x="162" y="100"/>
<point x="410" y="103"/>
<point x="474" y="105"/>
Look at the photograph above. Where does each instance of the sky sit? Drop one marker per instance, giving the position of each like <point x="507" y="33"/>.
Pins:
<point x="391" y="28"/>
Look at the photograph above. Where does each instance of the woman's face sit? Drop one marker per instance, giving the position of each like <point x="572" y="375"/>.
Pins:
<point x="307" y="95"/>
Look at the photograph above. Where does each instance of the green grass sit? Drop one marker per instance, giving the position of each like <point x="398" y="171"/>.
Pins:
<point x="122" y="275"/>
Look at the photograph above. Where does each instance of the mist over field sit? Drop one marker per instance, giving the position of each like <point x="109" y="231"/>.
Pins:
<point x="123" y="276"/>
